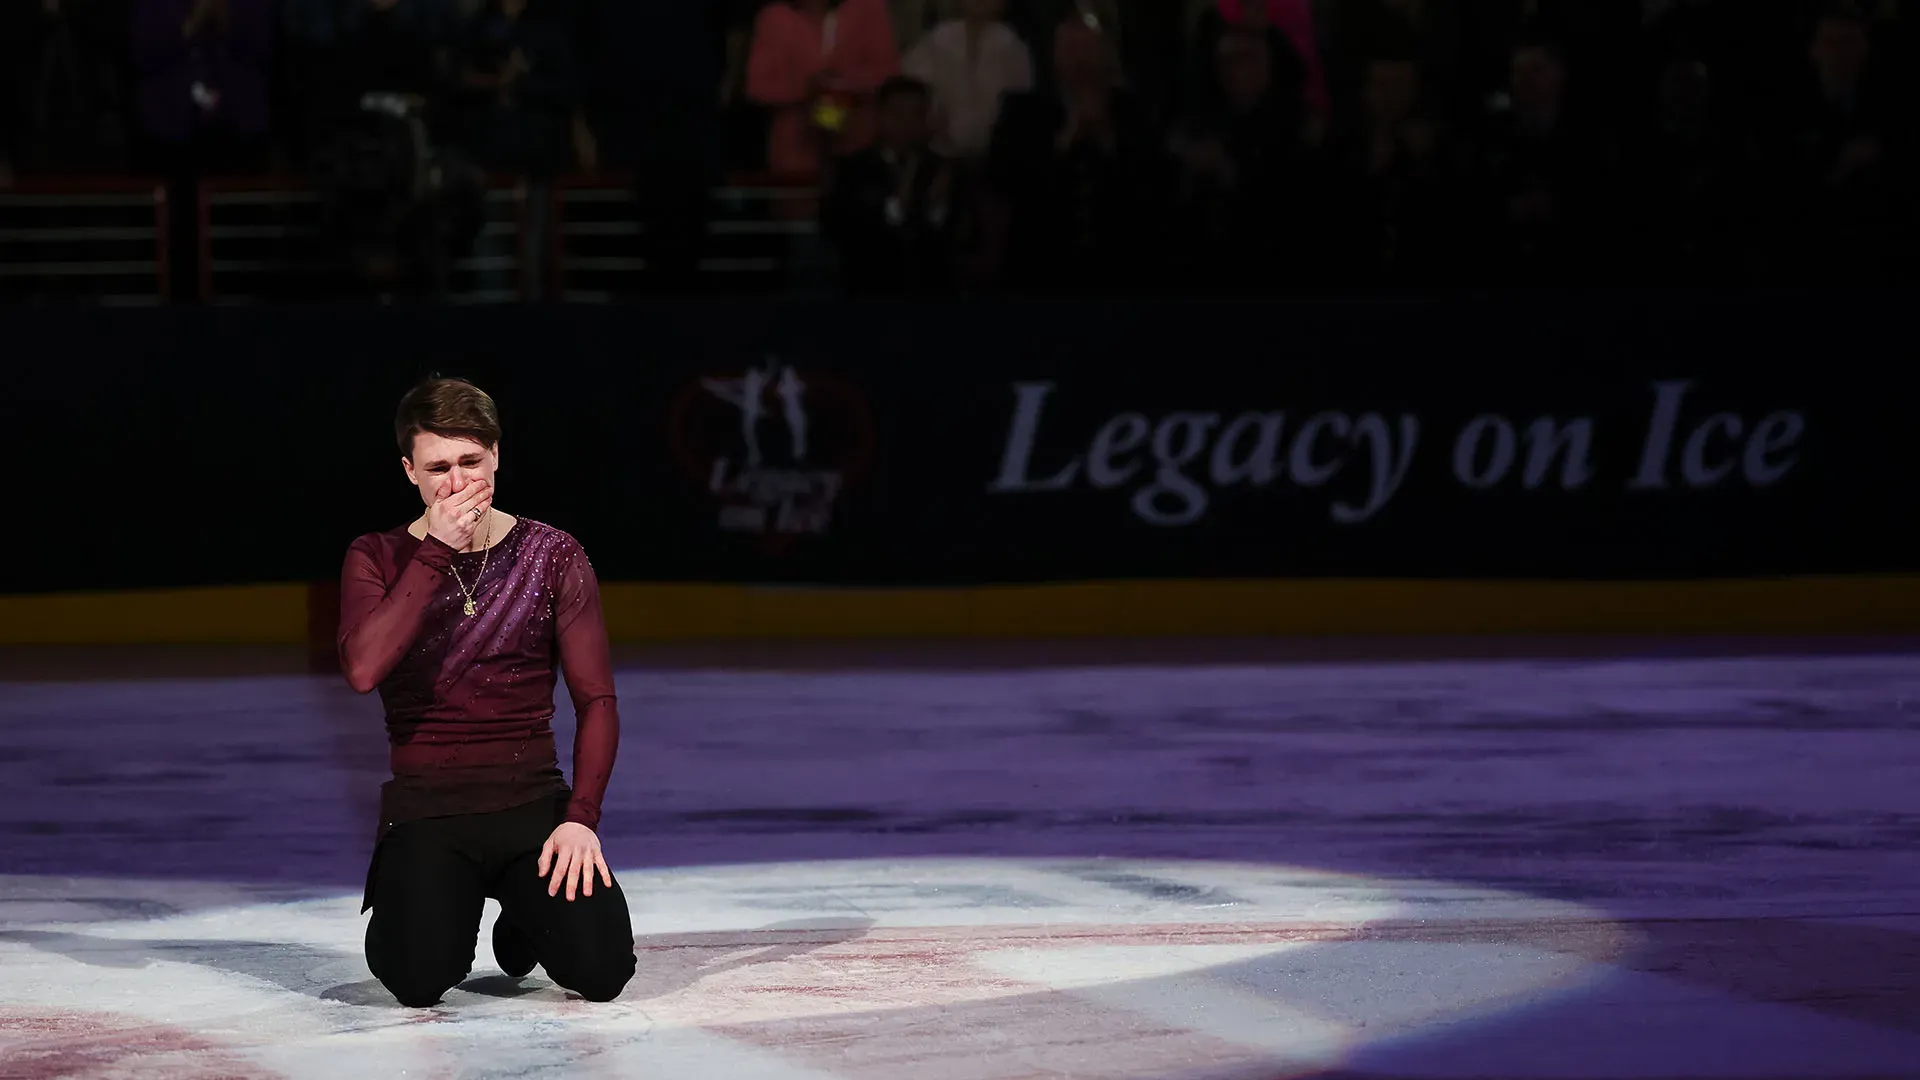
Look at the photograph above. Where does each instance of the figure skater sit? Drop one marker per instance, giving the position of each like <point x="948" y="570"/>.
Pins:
<point x="462" y="619"/>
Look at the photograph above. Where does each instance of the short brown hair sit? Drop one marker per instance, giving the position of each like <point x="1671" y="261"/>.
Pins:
<point x="449" y="408"/>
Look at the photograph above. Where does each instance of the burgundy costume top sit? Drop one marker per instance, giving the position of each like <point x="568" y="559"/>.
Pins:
<point x="469" y="698"/>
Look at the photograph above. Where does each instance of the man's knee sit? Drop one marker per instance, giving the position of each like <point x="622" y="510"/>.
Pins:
<point x="419" y="990"/>
<point x="599" y="987"/>
<point x="418" y="981"/>
<point x="596" y="978"/>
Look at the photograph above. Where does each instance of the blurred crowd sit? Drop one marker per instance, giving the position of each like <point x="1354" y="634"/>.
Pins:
<point x="1047" y="145"/>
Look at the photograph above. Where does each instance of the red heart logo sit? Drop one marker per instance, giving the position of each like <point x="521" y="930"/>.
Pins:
<point x="774" y="447"/>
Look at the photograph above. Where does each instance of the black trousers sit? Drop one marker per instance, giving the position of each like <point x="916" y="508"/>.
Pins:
<point x="428" y="884"/>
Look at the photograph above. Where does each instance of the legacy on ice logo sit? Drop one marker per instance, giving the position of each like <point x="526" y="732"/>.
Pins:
<point x="775" y="446"/>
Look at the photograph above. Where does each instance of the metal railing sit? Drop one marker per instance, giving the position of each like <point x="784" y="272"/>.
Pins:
<point x="598" y="244"/>
<point x="98" y="241"/>
<point x="261" y="240"/>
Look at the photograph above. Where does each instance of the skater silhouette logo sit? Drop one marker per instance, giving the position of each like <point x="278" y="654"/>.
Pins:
<point x="774" y="447"/>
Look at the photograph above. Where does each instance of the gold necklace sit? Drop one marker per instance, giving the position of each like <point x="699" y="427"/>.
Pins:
<point x="486" y="544"/>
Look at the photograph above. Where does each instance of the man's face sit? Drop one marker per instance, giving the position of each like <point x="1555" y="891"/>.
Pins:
<point x="441" y="467"/>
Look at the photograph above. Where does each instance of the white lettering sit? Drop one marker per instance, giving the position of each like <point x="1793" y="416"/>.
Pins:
<point x="1179" y="462"/>
<point x="1777" y="432"/>
<point x="1262" y="461"/>
<point x="1693" y="464"/>
<point x="1177" y="441"/>
<point x="1547" y="440"/>
<point x="1466" y="451"/>
<point x="1306" y="471"/>
<point x="1659" y="443"/>
<point x="1121" y="435"/>
<point x="1017" y="458"/>
<point x="800" y="500"/>
<point x="1388" y="470"/>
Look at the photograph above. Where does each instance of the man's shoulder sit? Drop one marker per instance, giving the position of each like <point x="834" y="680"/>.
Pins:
<point x="384" y="541"/>
<point x="547" y="539"/>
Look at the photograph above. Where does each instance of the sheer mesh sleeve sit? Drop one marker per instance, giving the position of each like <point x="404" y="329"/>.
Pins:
<point x="378" y="624"/>
<point x="587" y="663"/>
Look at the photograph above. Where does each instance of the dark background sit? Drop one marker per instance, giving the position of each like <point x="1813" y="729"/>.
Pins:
<point x="182" y="447"/>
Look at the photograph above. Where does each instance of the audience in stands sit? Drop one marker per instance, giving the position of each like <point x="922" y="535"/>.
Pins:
<point x="374" y="47"/>
<point x="61" y="85"/>
<point x="517" y="103"/>
<point x="1429" y="35"/>
<point x="970" y="62"/>
<point x="1288" y="27"/>
<point x="816" y="64"/>
<point x="202" y="70"/>
<point x="1835" y="158"/>
<point x="1541" y="175"/>
<point x="894" y="208"/>
<point x="1074" y="144"/>
<point x="1394" y="198"/>
<point x="1079" y="174"/>
<point x="1247" y="200"/>
<point x="660" y="81"/>
<point x="1687" y="219"/>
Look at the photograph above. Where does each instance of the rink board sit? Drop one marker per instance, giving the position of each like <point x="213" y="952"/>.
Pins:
<point x="297" y="614"/>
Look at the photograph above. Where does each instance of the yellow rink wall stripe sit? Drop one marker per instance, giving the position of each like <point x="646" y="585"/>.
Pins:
<point x="228" y="614"/>
<point x="292" y="614"/>
<point x="1839" y="605"/>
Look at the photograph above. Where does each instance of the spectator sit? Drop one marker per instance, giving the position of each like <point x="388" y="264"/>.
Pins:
<point x="379" y="47"/>
<point x="1427" y="32"/>
<point x="1835" y="156"/>
<point x="1077" y="175"/>
<point x="1037" y="21"/>
<point x="1288" y="21"/>
<point x="970" y="63"/>
<point x="817" y="64"/>
<point x="1539" y="175"/>
<point x="653" y="69"/>
<point x="1597" y="40"/>
<point x="202" y="70"/>
<point x="1684" y="189"/>
<point x="1244" y="174"/>
<point x="1396" y="201"/>
<point x="1153" y="53"/>
<point x="892" y="209"/>
<point x="61" y="91"/>
<point x="519" y="90"/>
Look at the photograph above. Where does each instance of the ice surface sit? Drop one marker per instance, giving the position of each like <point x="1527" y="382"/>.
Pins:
<point x="1585" y="869"/>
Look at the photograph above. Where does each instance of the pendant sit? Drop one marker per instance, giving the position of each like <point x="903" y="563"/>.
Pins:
<point x="470" y="609"/>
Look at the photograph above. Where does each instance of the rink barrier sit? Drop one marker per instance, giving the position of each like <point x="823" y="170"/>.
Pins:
<point x="637" y="612"/>
<point x="893" y="465"/>
<point x="222" y="615"/>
